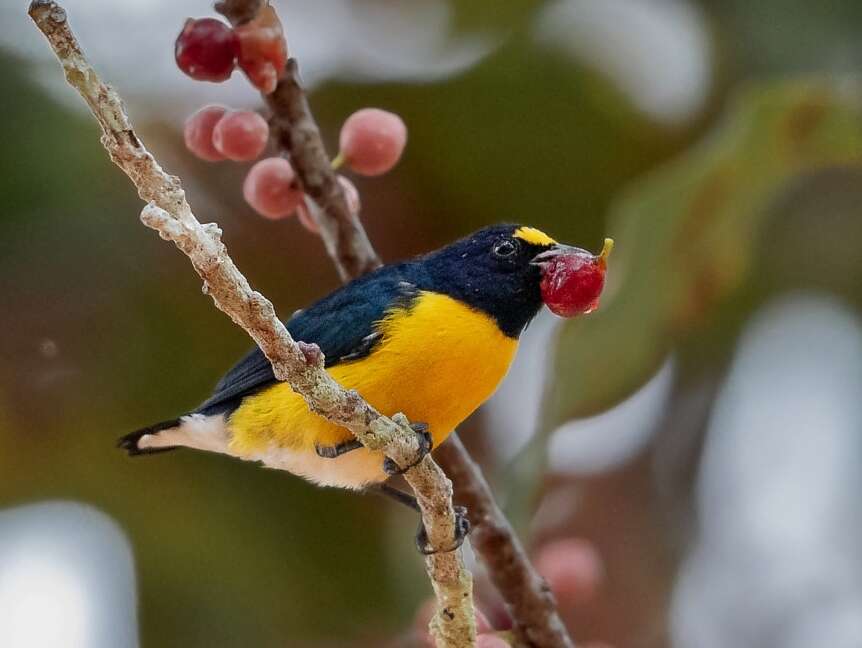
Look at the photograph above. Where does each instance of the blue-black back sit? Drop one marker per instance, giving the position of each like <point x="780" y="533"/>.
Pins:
<point x="343" y="323"/>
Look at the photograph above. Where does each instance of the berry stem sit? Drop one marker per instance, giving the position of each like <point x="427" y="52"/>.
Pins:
<point x="337" y="161"/>
<point x="607" y="248"/>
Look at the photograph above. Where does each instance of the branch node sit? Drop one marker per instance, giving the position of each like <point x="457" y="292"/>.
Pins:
<point x="312" y="354"/>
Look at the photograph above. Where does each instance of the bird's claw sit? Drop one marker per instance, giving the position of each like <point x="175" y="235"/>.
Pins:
<point x="462" y="528"/>
<point x="426" y="442"/>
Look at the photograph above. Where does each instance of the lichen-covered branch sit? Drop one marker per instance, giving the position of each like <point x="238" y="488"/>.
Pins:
<point x="301" y="365"/>
<point x="525" y="593"/>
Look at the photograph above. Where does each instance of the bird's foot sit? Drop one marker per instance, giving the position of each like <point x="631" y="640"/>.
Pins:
<point x="462" y="528"/>
<point x="426" y="442"/>
<point x="462" y="524"/>
<point x="335" y="451"/>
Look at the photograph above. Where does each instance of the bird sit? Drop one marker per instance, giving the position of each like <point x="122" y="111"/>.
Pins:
<point x="431" y="337"/>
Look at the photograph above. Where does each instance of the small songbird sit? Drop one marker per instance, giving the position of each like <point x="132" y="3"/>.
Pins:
<point x="431" y="337"/>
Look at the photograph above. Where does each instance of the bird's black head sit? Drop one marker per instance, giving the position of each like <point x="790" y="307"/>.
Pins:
<point x="493" y="270"/>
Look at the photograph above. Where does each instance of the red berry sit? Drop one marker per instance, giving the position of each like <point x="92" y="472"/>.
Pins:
<point x="206" y="50"/>
<point x="372" y="140"/>
<point x="573" y="569"/>
<point x="241" y="136"/>
<point x="262" y="49"/>
<point x="271" y="188"/>
<point x="198" y="132"/>
<point x="572" y="281"/>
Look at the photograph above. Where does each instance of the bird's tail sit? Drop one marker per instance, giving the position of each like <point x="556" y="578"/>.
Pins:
<point x="131" y="442"/>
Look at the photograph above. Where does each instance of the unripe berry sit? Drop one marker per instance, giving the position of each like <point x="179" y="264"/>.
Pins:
<point x="491" y="641"/>
<point x="206" y="49"/>
<point x="351" y="194"/>
<point x="573" y="569"/>
<point x="198" y="132"/>
<point x="271" y="188"/>
<point x="262" y="49"/>
<point x="305" y="219"/>
<point x="241" y="136"/>
<point x="372" y="141"/>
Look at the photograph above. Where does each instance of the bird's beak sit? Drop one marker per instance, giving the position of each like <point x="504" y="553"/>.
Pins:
<point x="545" y="259"/>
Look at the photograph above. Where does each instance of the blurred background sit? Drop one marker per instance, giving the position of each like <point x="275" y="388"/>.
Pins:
<point x="700" y="435"/>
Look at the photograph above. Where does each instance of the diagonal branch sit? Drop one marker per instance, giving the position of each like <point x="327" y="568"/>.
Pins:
<point x="295" y="130"/>
<point x="301" y="365"/>
<point x="528" y="599"/>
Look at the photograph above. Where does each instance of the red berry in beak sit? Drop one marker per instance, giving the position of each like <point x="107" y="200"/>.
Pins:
<point x="573" y="279"/>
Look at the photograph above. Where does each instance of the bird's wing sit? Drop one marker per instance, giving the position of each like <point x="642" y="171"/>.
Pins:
<point x="343" y="325"/>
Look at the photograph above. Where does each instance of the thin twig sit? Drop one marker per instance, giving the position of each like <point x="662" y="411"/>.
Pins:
<point x="295" y="130"/>
<point x="527" y="597"/>
<point x="301" y="365"/>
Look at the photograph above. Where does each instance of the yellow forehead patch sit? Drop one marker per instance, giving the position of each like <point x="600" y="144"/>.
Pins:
<point x="533" y="236"/>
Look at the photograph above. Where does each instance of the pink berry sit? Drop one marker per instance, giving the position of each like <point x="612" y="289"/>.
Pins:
<point x="573" y="280"/>
<point x="271" y="188"/>
<point x="573" y="569"/>
<point x="241" y="136"/>
<point x="262" y="49"/>
<point x="206" y="50"/>
<point x="305" y="218"/>
<point x="351" y="194"/>
<point x="491" y="641"/>
<point x="198" y="132"/>
<point x="372" y="141"/>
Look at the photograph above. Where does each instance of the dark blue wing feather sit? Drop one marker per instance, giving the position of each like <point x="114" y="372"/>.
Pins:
<point x="342" y="324"/>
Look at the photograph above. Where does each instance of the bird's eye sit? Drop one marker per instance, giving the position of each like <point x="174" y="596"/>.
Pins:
<point x="505" y="248"/>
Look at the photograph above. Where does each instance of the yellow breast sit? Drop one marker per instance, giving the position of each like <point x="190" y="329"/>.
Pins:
<point x="437" y="362"/>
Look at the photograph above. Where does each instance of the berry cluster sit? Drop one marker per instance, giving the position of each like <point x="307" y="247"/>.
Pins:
<point x="209" y="50"/>
<point x="215" y="133"/>
<point x="371" y="140"/>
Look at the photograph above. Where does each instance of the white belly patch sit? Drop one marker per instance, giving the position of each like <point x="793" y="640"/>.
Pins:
<point x="354" y="469"/>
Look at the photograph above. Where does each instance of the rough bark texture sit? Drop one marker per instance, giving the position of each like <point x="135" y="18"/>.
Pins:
<point x="301" y="365"/>
<point x="296" y="132"/>
<point x="525" y="593"/>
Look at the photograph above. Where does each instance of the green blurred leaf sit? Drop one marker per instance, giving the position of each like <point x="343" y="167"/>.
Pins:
<point x="687" y="233"/>
<point x="687" y="236"/>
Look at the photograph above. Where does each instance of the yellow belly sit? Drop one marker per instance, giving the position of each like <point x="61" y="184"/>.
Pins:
<point x="437" y="362"/>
